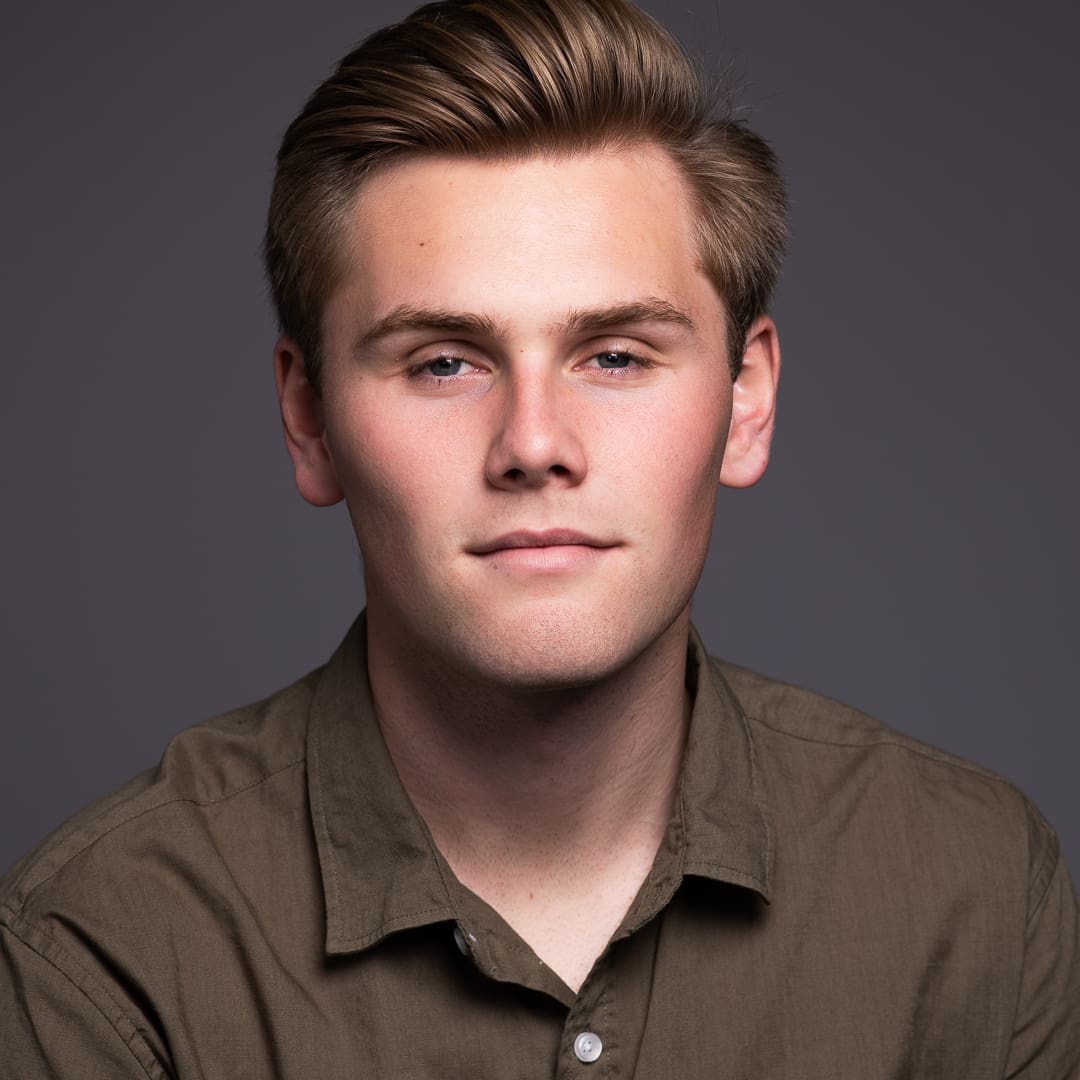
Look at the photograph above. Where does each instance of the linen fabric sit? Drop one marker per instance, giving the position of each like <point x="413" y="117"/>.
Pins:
<point x="831" y="900"/>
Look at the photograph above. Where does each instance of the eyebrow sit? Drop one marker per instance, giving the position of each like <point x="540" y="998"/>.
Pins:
<point x="407" y="317"/>
<point x="629" y="313"/>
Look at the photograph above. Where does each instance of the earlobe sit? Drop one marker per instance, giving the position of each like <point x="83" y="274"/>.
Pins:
<point x="304" y="427"/>
<point x="753" y="407"/>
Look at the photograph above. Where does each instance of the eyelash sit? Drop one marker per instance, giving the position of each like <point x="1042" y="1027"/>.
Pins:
<point x="636" y="361"/>
<point x="421" y="370"/>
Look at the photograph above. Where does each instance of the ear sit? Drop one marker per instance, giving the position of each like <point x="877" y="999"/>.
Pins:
<point x="305" y="431"/>
<point x="753" y="407"/>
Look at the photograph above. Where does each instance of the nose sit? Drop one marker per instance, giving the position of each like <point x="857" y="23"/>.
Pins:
<point x="536" y="441"/>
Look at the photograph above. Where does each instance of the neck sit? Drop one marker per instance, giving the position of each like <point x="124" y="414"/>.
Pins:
<point x="529" y="779"/>
<point x="549" y="805"/>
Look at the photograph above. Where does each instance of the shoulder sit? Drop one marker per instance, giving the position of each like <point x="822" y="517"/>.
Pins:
<point x="903" y="872"/>
<point x="151" y="886"/>
<point x="203" y="771"/>
<point x="808" y="723"/>
<point x="910" y="803"/>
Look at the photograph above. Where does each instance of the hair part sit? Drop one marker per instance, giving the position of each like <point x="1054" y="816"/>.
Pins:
<point x="510" y="80"/>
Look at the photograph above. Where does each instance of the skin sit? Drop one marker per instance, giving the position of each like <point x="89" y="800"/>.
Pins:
<point x="527" y="407"/>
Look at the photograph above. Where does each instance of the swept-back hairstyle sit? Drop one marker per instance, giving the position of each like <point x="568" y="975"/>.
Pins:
<point x="507" y="80"/>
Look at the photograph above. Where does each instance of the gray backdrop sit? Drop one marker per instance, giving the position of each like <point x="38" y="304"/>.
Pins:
<point x="913" y="550"/>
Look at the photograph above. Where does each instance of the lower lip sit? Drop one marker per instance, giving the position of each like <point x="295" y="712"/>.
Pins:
<point x="556" y="557"/>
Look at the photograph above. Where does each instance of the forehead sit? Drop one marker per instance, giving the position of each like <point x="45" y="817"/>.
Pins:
<point x="522" y="240"/>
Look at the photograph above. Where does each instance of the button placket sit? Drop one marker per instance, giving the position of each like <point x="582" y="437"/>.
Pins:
<point x="591" y="1038"/>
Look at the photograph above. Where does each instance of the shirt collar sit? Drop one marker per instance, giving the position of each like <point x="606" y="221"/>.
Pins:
<point x="380" y="870"/>
<point x="728" y="832"/>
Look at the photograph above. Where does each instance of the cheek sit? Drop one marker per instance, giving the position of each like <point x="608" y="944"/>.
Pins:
<point x="393" y="480"/>
<point x="682" y="448"/>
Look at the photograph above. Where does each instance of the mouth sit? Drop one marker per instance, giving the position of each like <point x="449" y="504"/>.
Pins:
<point x="550" y="538"/>
<point x="553" y="551"/>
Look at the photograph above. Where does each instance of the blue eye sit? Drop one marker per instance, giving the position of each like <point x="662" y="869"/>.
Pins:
<point x="445" y="366"/>
<point x="613" y="360"/>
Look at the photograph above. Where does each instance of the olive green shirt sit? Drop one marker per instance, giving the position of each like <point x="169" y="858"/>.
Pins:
<point x="831" y="900"/>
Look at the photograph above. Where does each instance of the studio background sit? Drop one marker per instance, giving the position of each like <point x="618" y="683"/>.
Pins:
<point x="912" y="551"/>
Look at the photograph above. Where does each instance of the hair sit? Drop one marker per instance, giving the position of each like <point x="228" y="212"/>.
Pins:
<point x="510" y="80"/>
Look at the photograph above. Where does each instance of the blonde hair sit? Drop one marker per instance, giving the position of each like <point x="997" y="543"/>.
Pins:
<point x="511" y="79"/>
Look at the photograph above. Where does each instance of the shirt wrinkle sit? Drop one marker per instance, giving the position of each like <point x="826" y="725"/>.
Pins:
<point x="126" y="1030"/>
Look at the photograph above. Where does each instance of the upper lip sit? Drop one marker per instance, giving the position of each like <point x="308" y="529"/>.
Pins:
<point x="526" y="538"/>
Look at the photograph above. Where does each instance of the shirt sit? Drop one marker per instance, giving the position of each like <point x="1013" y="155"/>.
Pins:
<point x="831" y="900"/>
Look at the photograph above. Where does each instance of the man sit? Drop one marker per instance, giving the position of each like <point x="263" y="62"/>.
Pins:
<point x="521" y="825"/>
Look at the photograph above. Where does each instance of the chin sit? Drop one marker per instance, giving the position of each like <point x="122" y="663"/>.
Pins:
<point x="554" y="650"/>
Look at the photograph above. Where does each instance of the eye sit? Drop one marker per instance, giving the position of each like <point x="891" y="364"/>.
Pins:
<point x="441" y="369"/>
<point x="444" y="366"/>
<point x="613" y="360"/>
<point x="616" y="361"/>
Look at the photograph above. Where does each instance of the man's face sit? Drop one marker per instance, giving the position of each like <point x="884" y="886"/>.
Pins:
<point x="526" y="399"/>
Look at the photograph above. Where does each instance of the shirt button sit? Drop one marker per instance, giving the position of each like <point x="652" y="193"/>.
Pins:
<point x="588" y="1047"/>
<point x="460" y="942"/>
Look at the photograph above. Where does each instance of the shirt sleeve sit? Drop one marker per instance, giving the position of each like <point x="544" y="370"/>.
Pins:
<point x="51" y="1027"/>
<point x="1046" y="1032"/>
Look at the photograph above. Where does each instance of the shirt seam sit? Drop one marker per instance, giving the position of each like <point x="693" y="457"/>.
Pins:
<point x="433" y="854"/>
<point x="693" y="864"/>
<point x="399" y="922"/>
<point x="324" y="848"/>
<point x="135" y="817"/>
<point x="121" y="1017"/>
<point x="660" y="894"/>
<point x="896" y="742"/>
<point x="1051" y="862"/>
<point x="760" y="802"/>
<point x="1052" y="852"/>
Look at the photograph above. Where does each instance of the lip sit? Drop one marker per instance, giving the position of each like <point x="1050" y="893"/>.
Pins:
<point x="549" y="538"/>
